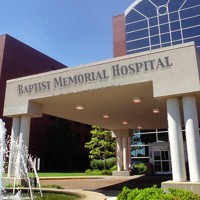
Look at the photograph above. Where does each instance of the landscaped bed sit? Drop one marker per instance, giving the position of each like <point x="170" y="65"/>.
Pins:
<point x="155" y="193"/>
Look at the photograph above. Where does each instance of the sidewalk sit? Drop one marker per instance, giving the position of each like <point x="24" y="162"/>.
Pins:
<point x="110" y="186"/>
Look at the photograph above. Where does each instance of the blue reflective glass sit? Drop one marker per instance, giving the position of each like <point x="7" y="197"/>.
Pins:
<point x="175" y="26"/>
<point x="192" y="32"/>
<point x="137" y="35"/>
<point x="165" y="38"/>
<point x="169" y="23"/>
<point x="154" y="31"/>
<point x="166" y="44"/>
<point x="136" y="26"/>
<point x="138" y="44"/>
<point x="153" y="21"/>
<point x="137" y="50"/>
<point x="163" y="19"/>
<point x="155" y="40"/>
<point x="190" y="12"/>
<point x="190" y="22"/>
<point x="176" y="42"/>
<point x="155" y="47"/>
<point x="173" y="16"/>
<point x="176" y="35"/>
<point x="164" y="28"/>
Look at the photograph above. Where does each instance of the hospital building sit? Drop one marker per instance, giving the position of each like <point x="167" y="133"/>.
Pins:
<point x="148" y="94"/>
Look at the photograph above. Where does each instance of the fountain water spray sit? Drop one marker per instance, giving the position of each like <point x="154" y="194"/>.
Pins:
<point x="20" y="160"/>
<point x="2" y="152"/>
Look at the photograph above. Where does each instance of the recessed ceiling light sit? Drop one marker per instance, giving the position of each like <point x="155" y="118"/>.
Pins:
<point x="125" y="122"/>
<point x="137" y="100"/>
<point x="79" y="107"/>
<point x="106" y="116"/>
<point x="156" y="110"/>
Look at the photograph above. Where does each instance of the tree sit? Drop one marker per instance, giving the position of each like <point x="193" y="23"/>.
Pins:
<point x="101" y="145"/>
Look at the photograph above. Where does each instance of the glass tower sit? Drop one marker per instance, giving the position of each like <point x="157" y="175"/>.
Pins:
<point x="152" y="24"/>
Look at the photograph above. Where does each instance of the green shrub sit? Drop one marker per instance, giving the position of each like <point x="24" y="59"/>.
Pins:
<point x="141" y="168"/>
<point x="93" y="172"/>
<point x="180" y="194"/>
<point x="53" y="186"/>
<point x="124" y="194"/>
<point x="110" y="162"/>
<point x="113" y="168"/>
<point x="154" y="193"/>
<point x="99" y="164"/>
<point x="97" y="167"/>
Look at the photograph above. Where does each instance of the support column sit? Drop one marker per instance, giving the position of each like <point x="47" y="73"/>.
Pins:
<point x="125" y="153"/>
<point x="23" y="146"/>
<point x="122" y="152"/>
<point x="119" y="153"/>
<point x="25" y="130"/>
<point x="176" y="140"/>
<point x="192" y="136"/>
<point x="13" y="144"/>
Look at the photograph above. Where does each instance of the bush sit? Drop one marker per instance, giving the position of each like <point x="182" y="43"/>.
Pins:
<point x="97" y="167"/>
<point x="53" y="186"/>
<point x="93" y="172"/>
<point x="99" y="164"/>
<point x="110" y="162"/>
<point x="97" y="172"/>
<point x="114" y="168"/>
<point x="124" y="194"/>
<point x="141" y="168"/>
<point x="180" y="194"/>
<point x="154" y="193"/>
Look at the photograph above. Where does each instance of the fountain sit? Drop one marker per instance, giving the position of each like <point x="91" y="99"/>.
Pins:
<point x="20" y="162"/>
<point x="2" y="153"/>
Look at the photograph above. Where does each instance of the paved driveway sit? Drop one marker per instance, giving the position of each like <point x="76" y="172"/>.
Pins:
<point x="108" y="185"/>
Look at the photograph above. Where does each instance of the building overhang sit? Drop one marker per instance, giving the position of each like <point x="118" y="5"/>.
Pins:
<point x="106" y="89"/>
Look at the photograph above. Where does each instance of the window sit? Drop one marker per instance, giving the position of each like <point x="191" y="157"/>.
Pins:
<point x="151" y="24"/>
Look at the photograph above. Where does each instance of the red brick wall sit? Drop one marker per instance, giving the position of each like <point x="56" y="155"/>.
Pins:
<point x="16" y="60"/>
<point x="119" y="37"/>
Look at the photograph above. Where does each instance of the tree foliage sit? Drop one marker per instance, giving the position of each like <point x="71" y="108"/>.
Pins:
<point x="101" y="145"/>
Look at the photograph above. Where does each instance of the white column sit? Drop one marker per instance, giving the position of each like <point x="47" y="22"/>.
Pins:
<point x="176" y="140"/>
<point x="25" y="130"/>
<point x="23" y="145"/>
<point x="125" y="153"/>
<point x="119" y="153"/>
<point x="13" y="145"/>
<point x="192" y="136"/>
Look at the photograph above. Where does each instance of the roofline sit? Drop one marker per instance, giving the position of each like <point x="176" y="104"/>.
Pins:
<point x="131" y="7"/>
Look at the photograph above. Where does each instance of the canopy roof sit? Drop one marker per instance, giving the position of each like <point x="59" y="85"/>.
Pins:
<point x="109" y="87"/>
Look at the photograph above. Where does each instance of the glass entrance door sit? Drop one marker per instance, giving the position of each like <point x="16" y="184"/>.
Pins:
<point x="162" y="162"/>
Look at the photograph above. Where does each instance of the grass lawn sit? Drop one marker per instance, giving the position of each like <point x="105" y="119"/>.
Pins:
<point x="60" y="174"/>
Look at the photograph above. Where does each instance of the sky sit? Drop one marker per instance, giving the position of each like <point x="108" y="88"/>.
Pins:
<point x="73" y="32"/>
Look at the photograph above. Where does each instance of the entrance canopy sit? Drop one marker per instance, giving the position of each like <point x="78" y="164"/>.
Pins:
<point x="103" y="93"/>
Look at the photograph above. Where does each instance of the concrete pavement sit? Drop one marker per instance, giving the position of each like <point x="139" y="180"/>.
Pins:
<point x="110" y="186"/>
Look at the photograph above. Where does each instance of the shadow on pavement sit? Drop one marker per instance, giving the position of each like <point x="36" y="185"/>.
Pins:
<point x="140" y="182"/>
